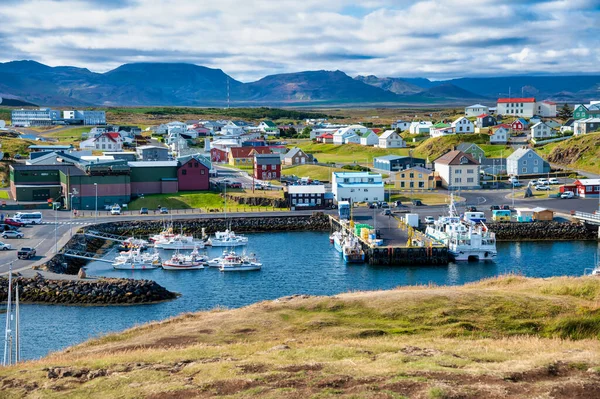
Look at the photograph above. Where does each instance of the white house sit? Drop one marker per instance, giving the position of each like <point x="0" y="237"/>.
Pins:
<point x="369" y="138"/>
<point x="320" y="131"/>
<point x="499" y="136"/>
<point x="476" y="110"/>
<point x="541" y="131"/>
<point x="527" y="107"/>
<point x="546" y="109"/>
<point x="353" y="138"/>
<point x="458" y="170"/>
<point x="391" y="139"/>
<point x="108" y="142"/>
<point x="357" y="186"/>
<point x="232" y="129"/>
<point x="463" y="125"/>
<point x="585" y="126"/>
<point x="342" y="134"/>
<point x="442" y="131"/>
<point x="400" y="124"/>
<point x="420" y="127"/>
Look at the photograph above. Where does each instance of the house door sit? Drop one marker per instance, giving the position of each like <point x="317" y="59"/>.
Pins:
<point x="303" y="160"/>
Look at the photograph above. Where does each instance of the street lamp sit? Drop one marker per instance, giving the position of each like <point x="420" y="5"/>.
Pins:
<point x="55" y="205"/>
<point x="96" y="212"/>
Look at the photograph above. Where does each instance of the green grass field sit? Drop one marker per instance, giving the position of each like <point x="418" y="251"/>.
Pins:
<point x="4" y="194"/>
<point x="317" y="172"/>
<point x="68" y="136"/>
<point x="348" y="153"/>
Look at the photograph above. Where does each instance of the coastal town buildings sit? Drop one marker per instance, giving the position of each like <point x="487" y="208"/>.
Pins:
<point x="525" y="161"/>
<point x="391" y="139"/>
<point x="475" y="110"/>
<point x="458" y="170"/>
<point x="267" y="166"/>
<point x="395" y="163"/>
<point x="415" y="178"/>
<point x="527" y="107"/>
<point x="357" y="186"/>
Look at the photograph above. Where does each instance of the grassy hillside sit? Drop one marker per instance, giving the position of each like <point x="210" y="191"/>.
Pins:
<point x="435" y="147"/>
<point x="204" y="200"/>
<point x="581" y="152"/>
<point x="322" y="173"/>
<point x="507" y="337"/>
<point x="347" y="153"/>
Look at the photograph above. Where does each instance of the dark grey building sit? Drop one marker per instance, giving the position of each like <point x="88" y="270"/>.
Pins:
<point x="152" y="153"/>
<point x="394" y="163"/>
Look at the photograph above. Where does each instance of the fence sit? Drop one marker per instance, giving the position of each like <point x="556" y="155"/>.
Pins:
<point x="190" y="211"/>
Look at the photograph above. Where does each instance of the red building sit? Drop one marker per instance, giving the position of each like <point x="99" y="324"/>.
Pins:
<point x="218" y="155"/>
<point x="193" y="174"/>
<point x="519" y="125"/>
<point x="267" y="166"/>
<point x="587" y="187"/>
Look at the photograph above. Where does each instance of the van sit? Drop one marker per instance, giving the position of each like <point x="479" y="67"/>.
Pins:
<point x="475" y="217"/>
<point x="28" y="217"/>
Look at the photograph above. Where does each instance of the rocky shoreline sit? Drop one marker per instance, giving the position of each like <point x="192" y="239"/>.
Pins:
<point x="544" y="231"/>
<point x="106" y="291"/>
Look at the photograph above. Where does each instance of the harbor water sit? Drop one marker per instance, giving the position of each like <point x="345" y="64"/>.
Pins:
<point x="293" y="263"/>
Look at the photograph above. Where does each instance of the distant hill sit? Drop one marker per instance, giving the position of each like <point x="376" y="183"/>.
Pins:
<point x="395" y="85"/>
<point x="179" y="84"/>
<point x="13" y="102"/>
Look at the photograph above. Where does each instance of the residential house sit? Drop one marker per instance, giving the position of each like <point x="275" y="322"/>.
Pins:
<point x="315" y="133"/>
<point x="458" y="170"/>
<point x="581" y="112"/>
<point x="567" y="126"/>
<point x="546" y="109"/>
<point x="415" y="178"/>
<point x="193" y="173"/>
<point x="475" y="110"/>
<point x="244" y="156"/>
<point x="267" y="166"/>
<point x="525" y="161"/>
<point x="421" y="127"/>
<point x="254" y="143"/>
<point x="401" y="125"/>
<point x="552" y="124"/>
<point x="499" y="135"/>
<point x="441" y="131"/>
<point x="587" y="187"/>
<point x="463" y="125"/>
<point x="519" y="125"/>
<point x="326" y="138"/>
<point x="517" y="106"/>
<point x="349" y="134"/>
<point x="218" y="155"/>
<point x="311" y="196"/>
<point x="391" y="139"/>
<point x="357" y="187"/>
<point x="541" y="131"/>
<point x="535" y="119"/>
<point x="395" y="163"/>
<point x="109" y="141"/>
<point x="472" y="149"/>
<point x="295" y="156"/>
<point x="268" y="127"/>
<point x="152" y="153"/>
<point x="485" y="120"/>
<point x="369" y="138"/>
<point x="232" y="129"/>
<point x="585" y="126"/>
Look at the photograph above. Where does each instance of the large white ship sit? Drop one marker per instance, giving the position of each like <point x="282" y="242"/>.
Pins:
<point x="465" y="240"/>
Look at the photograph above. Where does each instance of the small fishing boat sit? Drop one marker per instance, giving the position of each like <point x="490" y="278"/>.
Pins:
<point x="134" y="260"/>
<point x="216" y="262"/>
<point x="184" y="262"/>
<point x="227" y="238"/>
<point x="237" y="263"/>
<point x="352" y="251"/>
<point x="179" y="242"/>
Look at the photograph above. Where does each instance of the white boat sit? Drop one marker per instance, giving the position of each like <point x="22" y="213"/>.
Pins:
<point x="237" y="263"/>
<point x="134" y="260"/>
<point x="338" y="239"/>
<point x="593" y="272"/>
<point x="216" y="262"/>
<point x="184" y="262"/>
<point x="352" y="251"/>
<point x="179" y="242"/>
<point x="227" y="238"/>
<point x="465" y="240"/>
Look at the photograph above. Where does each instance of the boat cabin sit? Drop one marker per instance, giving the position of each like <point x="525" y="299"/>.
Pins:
<point x="501" y="215"/>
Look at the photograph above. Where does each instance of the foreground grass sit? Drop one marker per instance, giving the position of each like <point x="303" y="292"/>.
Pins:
<point x="505" y="337"/>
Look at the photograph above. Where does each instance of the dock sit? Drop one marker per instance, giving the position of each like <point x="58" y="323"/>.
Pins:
<point x="402" y="245"/>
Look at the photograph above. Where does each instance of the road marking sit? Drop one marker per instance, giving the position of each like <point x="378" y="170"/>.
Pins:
<point x="39" y="243"/>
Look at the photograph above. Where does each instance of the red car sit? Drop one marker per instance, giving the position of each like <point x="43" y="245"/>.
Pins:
<point x="11" y="222"/>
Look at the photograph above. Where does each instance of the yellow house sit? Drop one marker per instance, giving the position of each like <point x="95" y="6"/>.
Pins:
<point x="244" y="156"/>
<point x="415" y="178"/>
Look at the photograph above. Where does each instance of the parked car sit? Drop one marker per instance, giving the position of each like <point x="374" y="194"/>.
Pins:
<point x="234" y="184"/>
<point x="517" y="183"/>
<point x="5" y="247"/>
<point x="385" y="205"/>
<point x="373" y="205"/>
<point x="542" y="181"/>
<point x="26" y="253"/>
<point x="553" y="180"/>
<point x="12" y="234"/>
<point x="542" y="187"/>
<point x="417" y="202"/>
<point x="429" y="220"/>
<point x="164" y="210"/>
<point x="12" y="222"/>
<point x="494" y="208"/>
<point x="17" y="156"/>
<point x="506" y="207"/>
<point x="387" y="212"/>
<point x="567" y="195"/>
<point x="398" y="204"/>
<point x="144" y="211"/>
<point x="115" y="210"/>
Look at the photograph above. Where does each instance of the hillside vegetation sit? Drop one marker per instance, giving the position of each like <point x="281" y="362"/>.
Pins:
<point x="579" y="152"/>
<point x="437" y="146"/>
<point x="505" y="337"/>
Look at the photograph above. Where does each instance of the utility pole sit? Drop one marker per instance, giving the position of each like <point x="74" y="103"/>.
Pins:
<point x="55" y="205"/>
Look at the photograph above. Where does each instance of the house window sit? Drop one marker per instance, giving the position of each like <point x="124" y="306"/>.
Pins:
<point x="412" y="175"/>
<point x="184" y="172"/>
<point x="202" y="171"/>
<point x="535" y="162"/>
<point x="402" y="175"/>
<point x="524" y="162"/>
<point x="524" y="170"/>
<point x="412" y="184"/>
<point x="421" y="184"/>
<point x="458" y="171"/>
<point x="469" y="180"/>
<point x="470" y="171"/>
<point x="457" y="180"/>
<point x="401" y="184"/>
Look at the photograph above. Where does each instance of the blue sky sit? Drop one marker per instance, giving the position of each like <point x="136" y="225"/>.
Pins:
<point x="250" y="39"/>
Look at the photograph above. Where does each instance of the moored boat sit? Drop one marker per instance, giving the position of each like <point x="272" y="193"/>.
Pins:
<point x="179" y="242"/>
<point x="227" y="238"/>
<point x="236" y="263"/>
<point x="352" y="251"/>
<point x="134" y="260"/>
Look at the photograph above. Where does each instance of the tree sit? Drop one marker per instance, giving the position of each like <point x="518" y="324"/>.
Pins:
<point x="565" y="112"/>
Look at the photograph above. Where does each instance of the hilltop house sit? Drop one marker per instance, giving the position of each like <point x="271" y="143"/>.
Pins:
<point x="463" y="125"/>
<point x="541" y="131"/>
<point x="402" y="125"/>
<point x="440" y="131"/>
<point x="268" y="127"/>
<point x="345" y="135"/>
<point x="567" y="126"/>
<point x="369" y="138"/>
<point x="458" y="170"/>
<point x="472" y="149"/>
<point x="525" y="161"/>
<point x="527" y="107"/>
<point x="231" y="128"/>
<point x="485" y="120"/>
<point x="475" y="110"/>
<point x="499" y="135"/>
<point x="325" y="138"/>
<point x="585" y="126"/>
<point x="106" y="141"/>
<point x="420" y="127"/>
<point x="295" y="156"/>
<point x="391" y="139"/>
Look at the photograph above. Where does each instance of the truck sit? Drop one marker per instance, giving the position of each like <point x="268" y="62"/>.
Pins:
<point x="344" y="210"/>
<point x="26" y="253"/>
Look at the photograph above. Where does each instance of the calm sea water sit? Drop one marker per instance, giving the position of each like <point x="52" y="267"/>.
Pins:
<point x="293" y="263"/>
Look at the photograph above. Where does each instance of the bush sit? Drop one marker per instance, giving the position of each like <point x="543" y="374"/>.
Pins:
<point x="358" y="168"/>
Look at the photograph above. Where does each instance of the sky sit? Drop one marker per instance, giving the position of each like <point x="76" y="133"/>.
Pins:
<point x="249" y="39"/>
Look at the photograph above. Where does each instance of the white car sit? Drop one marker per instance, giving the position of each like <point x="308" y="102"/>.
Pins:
<point x="553" y="180"/>
<point x="567" y="195"/>
<point x="5" y="247"/>
<point x="429" y="220"/>
<point x="12" y="234"/>
<point x="542" y="187"/>
<point x="542" y="181"/>
<point x="115" y="210"/>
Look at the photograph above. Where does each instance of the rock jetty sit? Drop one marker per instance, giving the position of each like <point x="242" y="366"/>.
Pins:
<point x="108" y="291"/>
<point x="541" y="231"/>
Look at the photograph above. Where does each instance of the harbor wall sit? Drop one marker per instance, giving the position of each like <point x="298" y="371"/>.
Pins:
<point x="544" y="231"/>
<point x="87" y="292"/>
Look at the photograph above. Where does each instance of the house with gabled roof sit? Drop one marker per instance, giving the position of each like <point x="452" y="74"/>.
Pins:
<point x="400" y="124"/>
<point x="475" y="110"/>
<point x="519" y="125"/>
<point x="193" y="173"/>
<point x="485" y="120"/>
<point x="267" y="166"/>
<point x="244" y="156"/>
<point x="295" y="156"/>
<point x="472" y="149"/>
<point x="369" y="138"/>
<point x="525" y="161"/>
<point x="463" y="125"/>
<point x="109" y="142"/>
<point x="458" y="170"/>
<point x="541" y="131"/>
<point x="499" y="135"/>
<point x="391" y="139"/>
<point x="268" y="127"/>
<point x="421" y="127"/>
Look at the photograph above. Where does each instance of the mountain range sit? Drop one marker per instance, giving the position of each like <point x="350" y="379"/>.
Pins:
<point x="178" y="84"/>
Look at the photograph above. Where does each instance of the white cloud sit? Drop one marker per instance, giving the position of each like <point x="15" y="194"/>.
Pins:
<point x="250" y="39"/>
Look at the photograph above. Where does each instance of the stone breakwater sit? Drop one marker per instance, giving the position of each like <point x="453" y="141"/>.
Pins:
<point x="81" y="292"/>
<point x="315" y="222"/>
<point x="541" y="231"/>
